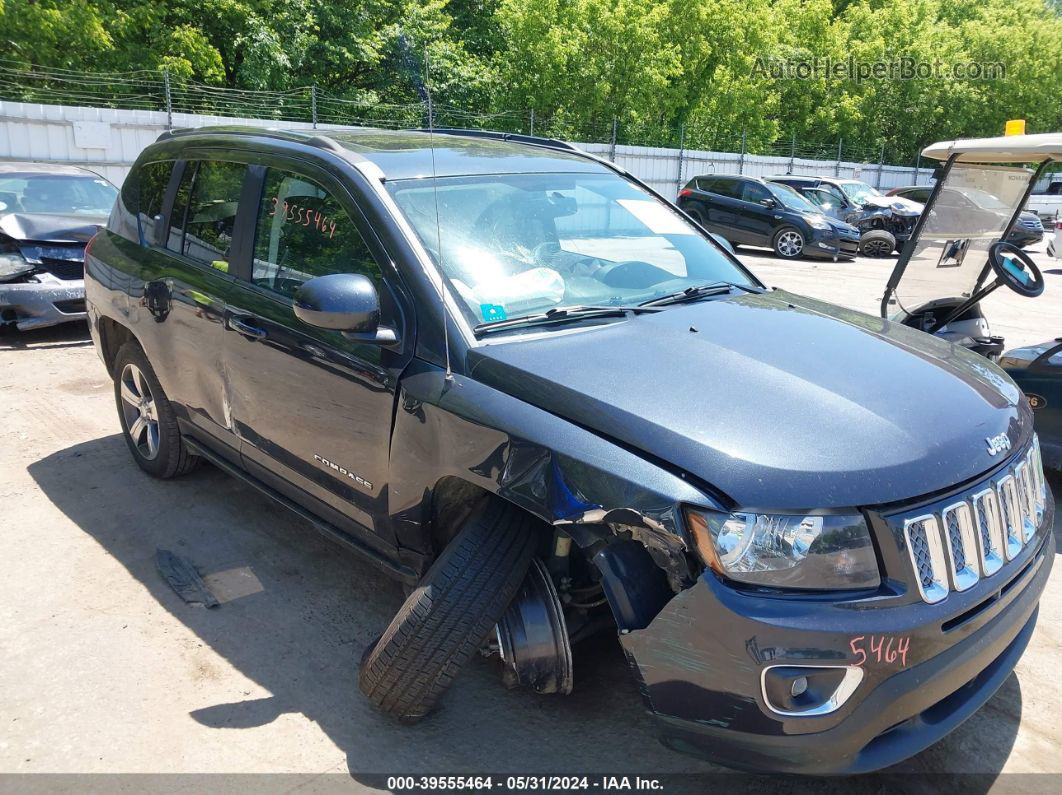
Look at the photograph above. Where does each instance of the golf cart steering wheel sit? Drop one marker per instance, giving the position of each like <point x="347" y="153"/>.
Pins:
<point x="1015" y="269"/>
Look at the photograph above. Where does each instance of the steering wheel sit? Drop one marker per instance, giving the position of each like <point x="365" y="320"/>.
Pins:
<point x="1016" y="269"/>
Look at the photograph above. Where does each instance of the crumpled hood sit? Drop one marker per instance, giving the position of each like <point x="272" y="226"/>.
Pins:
<point x="49" y="228"/>
<point x="908" y="206"/>
<point x="776" y="400"/>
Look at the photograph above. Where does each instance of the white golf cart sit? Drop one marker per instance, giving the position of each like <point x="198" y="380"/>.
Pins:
<point x="958" y="254"/>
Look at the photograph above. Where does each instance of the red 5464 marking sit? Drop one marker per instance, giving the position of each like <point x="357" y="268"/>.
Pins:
<point x="886" y="649"/>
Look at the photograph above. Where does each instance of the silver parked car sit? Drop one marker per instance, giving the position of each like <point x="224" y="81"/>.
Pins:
<point x="47" y="215"/>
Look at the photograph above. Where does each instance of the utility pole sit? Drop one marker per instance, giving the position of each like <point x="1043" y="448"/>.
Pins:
<point x="169" y="98"/>
<point x="741" y="160"/>
<point x="313" y="104"/>
<point x="837" y="167"/>
<point x="532" y="121"/>
<point x="792" y="154"/>
<point x="612" y="146"/>
<point x="682" y="149"/>
<point x="881" y="165"/>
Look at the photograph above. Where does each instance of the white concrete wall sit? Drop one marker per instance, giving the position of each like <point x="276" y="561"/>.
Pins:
<point x="104" y="140"/>
<point x="660" y="167"/>
<point x="108" y="141"/>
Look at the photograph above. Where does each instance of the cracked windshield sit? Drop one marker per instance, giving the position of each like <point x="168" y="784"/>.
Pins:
<point x="515" y="245"/>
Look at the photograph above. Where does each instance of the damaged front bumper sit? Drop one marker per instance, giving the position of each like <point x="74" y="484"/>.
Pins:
<point x="703" y="665"/>
<point x="47" y="301"/>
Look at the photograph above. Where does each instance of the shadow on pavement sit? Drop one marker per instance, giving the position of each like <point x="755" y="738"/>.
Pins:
<point x="300" y="636"/>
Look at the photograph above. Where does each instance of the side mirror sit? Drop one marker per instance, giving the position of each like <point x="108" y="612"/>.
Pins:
<point x="769" y="203"/>
<point x="345" y="302"/>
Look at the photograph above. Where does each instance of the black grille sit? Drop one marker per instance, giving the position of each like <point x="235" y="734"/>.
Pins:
<point x="920" y="547"/>
<point x="63" y="268"/>
<point x="1008" y="527"/>
<point x="982" y="526"/>
<point x="955" y="539"/>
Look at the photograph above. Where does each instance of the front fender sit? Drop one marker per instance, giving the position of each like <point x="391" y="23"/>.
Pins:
<point x="565" y="475"/>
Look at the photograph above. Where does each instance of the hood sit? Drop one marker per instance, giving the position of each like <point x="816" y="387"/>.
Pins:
<point x="777" y="401"/>
<point x="49" y="228"/>
<point x="896" y="203"/>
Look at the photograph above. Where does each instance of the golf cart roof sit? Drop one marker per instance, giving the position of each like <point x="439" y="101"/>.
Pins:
<point x="1002" y="149"/>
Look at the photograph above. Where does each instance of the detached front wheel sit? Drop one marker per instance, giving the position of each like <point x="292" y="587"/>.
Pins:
<point x="445" y="619"/>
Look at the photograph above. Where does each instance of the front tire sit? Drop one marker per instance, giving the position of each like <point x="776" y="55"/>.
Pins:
<point x="789" y="243"/>
<point x="455" y="606"/>
<point x="149" y="425"/>
<point x="877" y="243"/>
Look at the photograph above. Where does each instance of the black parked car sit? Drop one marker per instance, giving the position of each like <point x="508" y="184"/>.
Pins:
<point x="884" y="224"/>
<point x="1027" y="232"/>
<point x="758" y="213"/>
<point x="47" y="213"/>
<point x="533" y="388"/>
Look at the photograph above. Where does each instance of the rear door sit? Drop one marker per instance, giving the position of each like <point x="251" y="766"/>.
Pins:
<point x="186" y="221"/>
<point x="722" y="193"/>
<point x="313" y="408"/>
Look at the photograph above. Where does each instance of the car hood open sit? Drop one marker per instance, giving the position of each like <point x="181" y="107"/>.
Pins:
<point x="49" y="228"/>
<point x="774" y="400"/>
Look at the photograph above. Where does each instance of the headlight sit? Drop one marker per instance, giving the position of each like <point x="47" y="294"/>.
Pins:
<point x="787" y="550"/>
<point x="818" y="222"/>
<point x="12" y="264"/>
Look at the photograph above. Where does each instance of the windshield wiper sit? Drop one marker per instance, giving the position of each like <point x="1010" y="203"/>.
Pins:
<point x="563" y="315"/>
<point x="698" y="292"/>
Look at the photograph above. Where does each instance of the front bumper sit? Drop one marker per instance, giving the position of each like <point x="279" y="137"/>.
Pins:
<point x="700" y="663"/>
<point x="48" y="302"/>
<point x="1024" y="236"/>
<point x="826" y="243"/>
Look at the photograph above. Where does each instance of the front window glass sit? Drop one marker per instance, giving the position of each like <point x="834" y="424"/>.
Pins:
<point x="303" y="232"/>
<point x="858" y="192"/>
<point x="57" y="194"/>
<point x="791" y="198"/>
<point x="513" y="245"/>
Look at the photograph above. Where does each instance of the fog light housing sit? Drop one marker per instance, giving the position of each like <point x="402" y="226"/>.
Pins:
<point x="808" y="690"/>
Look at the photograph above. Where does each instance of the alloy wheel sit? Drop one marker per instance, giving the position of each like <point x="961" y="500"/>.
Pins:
<point x="138" y="408"/>
<point x="876" y="248"/>
<point x="790" y="244"/>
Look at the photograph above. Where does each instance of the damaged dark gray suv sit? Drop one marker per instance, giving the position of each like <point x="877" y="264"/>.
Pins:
<point x="547" y="401"/>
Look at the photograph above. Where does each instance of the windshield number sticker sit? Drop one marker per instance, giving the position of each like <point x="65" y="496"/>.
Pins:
<point x="881" y="649"/>
<point x="492" y="313"/>
<point x="304" y="216"/>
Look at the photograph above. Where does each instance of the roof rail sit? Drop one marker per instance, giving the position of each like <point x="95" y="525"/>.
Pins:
<point x="298" y="136"/>
<point x="519" y="138"/>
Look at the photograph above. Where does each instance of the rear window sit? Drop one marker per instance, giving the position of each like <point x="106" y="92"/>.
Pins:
<point x="204" y="211"/>
<point x="724" y="186"/>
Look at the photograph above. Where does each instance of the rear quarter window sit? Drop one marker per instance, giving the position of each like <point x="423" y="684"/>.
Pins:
<point x="151" y="183"/>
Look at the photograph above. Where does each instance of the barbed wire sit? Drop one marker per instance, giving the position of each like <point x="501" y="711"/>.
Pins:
<point x="143" y="89"/>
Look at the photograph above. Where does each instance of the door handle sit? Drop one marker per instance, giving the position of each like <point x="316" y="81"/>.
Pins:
<point x="241" y="326"/>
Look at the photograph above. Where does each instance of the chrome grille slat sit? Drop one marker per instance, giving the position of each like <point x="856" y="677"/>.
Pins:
<point x="962" y="546"/>
<point x="975" y="536"/>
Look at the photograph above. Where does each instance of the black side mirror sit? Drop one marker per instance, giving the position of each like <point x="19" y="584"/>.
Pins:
<point x="768" y="202"/>
<point x="345" y="302"/>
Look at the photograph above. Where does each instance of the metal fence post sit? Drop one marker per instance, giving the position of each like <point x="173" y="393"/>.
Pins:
<point x="612" y="146"/>
<point x="918" y="167"/>
<point x="532" y="122"/>
<point x="881" y="165"/>
<point x="837" y="167"/>
<point x="741" y="160"/>
<point x="169" y="98"/>
<point x="682" y="151"/>
<point x="313" y="104"/>
<point x="792" y="154"/>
